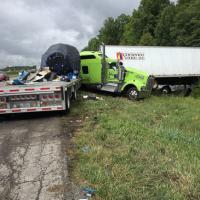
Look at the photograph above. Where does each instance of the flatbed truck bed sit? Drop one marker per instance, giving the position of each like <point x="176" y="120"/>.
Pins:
<point x="37" y="97"/>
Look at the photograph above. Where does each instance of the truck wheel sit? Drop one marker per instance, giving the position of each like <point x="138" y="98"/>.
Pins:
<point x="132" y="94"/>
<point x="166" y="90"/>
<point x="187" y="92"/>
<point x="74" y="95"/>
<point x="67" y="102"/>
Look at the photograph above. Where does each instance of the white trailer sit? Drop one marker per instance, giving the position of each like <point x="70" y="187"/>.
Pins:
<point x="37" y="97"/>
<point x="169" y="65"/>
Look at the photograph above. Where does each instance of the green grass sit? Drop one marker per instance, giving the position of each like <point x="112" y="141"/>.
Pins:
<point x="139" y="150"/>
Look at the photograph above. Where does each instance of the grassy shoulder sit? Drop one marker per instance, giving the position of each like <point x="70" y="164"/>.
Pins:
<point x="139" y="150"/>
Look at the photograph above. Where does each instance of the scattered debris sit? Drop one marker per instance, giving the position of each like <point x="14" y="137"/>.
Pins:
<point x="41" y="75"/>
<point x="88" y="192"/>
<point x="20" y="80"/>
<point x="92" y="97"/>
<point x="85" y="149"/>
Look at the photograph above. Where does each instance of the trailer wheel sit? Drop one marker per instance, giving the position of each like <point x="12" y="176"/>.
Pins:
<point x="187" y="92"/>
<point x="132" y="94"/>
<point x="166" y="90"/>
<point x="74" y="95"/>
<point x="67" y="102"/>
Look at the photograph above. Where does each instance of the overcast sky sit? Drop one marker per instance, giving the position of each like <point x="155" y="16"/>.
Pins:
<point x="29" y="27"/>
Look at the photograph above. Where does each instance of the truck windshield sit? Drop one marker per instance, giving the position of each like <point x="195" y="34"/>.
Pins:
<point x="87" y="57"/>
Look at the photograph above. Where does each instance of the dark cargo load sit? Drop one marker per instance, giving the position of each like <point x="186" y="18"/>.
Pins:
<point x="62" y="59"/>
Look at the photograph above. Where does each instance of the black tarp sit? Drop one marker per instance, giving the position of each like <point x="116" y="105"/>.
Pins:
<point x="61" y="58"/>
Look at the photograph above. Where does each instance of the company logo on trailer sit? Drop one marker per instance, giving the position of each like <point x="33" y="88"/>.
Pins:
<point x="130" y="56"/>
<point x="120" y="56"/>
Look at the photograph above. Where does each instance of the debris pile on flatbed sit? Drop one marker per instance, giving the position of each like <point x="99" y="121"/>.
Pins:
<point x="61" y="62"/>
<point x="42" y="75"/>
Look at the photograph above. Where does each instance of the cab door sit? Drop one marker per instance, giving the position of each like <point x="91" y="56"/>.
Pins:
<point x="90" y="69"/>
<point x="113" y="73"/>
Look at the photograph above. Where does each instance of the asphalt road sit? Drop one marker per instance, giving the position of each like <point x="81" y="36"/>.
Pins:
<point x="33" y="159"/>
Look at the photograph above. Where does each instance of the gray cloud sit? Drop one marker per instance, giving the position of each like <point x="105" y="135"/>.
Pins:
<point x="29" y="27"/>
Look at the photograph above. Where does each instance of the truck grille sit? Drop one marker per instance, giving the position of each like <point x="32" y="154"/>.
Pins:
<point x="150" y="83"/>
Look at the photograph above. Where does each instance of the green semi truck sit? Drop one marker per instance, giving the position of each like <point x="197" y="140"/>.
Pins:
<point x="109" y="75"/>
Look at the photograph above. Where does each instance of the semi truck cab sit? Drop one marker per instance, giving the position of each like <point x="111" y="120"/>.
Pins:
<point x="106" y="74"/>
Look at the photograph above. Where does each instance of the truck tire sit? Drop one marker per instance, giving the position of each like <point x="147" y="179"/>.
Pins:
<point x="166" y="90"/>
<point x="67" y="102"/>
<point x="187" y="92"/>
<point x="132" y="94"/>
<point x="74" y="95"/>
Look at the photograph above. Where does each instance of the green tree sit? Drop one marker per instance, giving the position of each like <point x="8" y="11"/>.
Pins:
<point x="127" y="36"/>
<point x="150" y="12"/>
<point x="113" y="29"/>
<point x="182" y="2"/>
<point x="186" y="30"/>
<point x="155" y="22"/>
<point x="132" y="32"/>
<point x="153" y="7"/>
<point x="147" y="40"/>
<point x="108" y="33"/>
<point x="121" y="22"/>
<point x="93" y="45"/>
<point x="164" y="27"/>
<point x="144" y="20"/>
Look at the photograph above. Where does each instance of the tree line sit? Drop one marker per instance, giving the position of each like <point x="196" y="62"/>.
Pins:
<point x="154" y="23"/>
